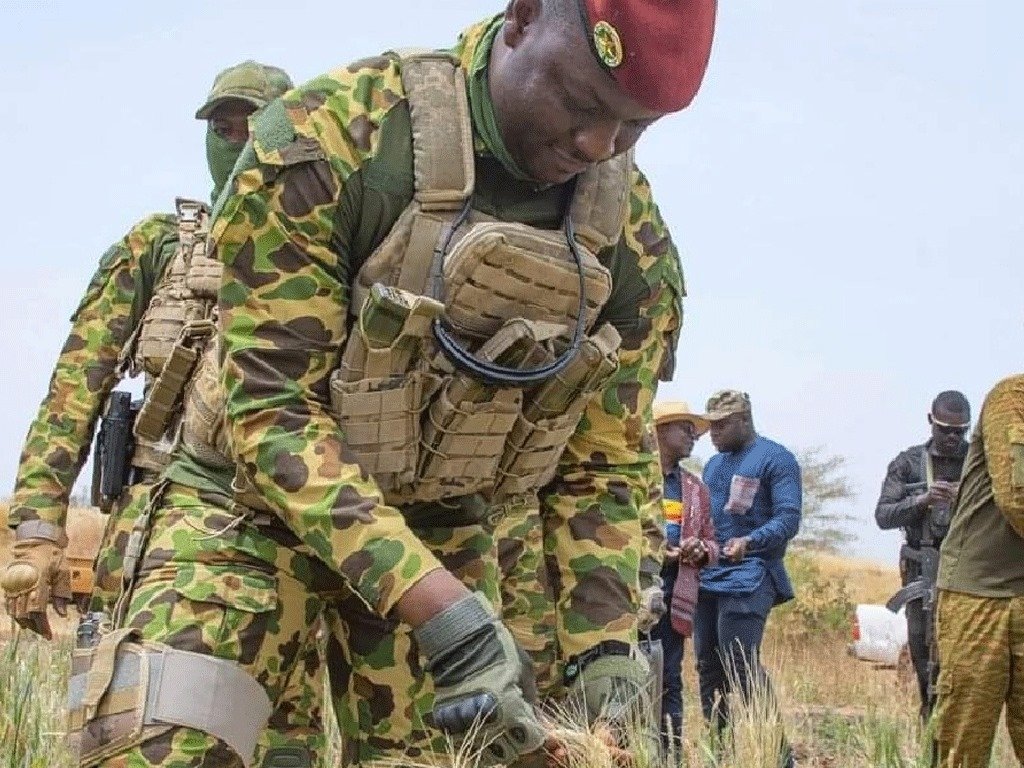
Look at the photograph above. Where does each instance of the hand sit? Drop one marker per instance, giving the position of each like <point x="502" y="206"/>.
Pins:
<point x="652" y="607"/>
<point x="735" y="549"/>
<point x="36" y="576"/>
<point x="565" y="746"/>
<point x="613" y="692"/>
<point x="479" y="681"/>
<point x="671" y="553"/>
<point x="692" y="551"/>
<point x="940" y="492"/>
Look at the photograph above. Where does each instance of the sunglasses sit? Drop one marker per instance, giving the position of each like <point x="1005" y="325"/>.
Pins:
<point x="952" y="429"/>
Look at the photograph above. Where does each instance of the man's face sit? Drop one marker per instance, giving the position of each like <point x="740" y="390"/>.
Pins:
<point x="558" y="111"/>
<point x="730" y="433"/>
<point x="230" y="120"/>
<point x="675" y="440"/>
<point x="948" y="430"/>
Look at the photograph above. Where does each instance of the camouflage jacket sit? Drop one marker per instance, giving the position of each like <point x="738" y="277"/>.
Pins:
<point x="308" y="204"/>
<point x="86" y="371"/>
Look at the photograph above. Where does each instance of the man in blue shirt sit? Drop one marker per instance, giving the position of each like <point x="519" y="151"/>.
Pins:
<point x="755" y="506"/>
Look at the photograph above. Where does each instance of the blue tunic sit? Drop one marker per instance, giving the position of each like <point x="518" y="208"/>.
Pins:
<point x="755" y="492"/>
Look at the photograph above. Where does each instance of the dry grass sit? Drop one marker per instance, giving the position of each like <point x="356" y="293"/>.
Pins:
<point x="866" y="581"/>
<point x="836" y="711"/>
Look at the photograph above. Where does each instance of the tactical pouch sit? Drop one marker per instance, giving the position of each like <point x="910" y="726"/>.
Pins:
<point x="160" y="330"/>
<point x="122" y="693"/>
<point x="463" y="436"/>
<point x="203" y="428"/>
<point x="162" y="400"/>
<point x="377" y="401"/>
<point x="204" y="274"/>
<point x="467" y="425"/>
<point x="551" y="413"/>
<point x="389" y="332"/>
<point x="381" y="421"/>
<point x="500" y="270"/>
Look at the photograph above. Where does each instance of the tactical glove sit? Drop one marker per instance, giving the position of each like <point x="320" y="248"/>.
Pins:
<point x="652" y="606"/>
<point x="479" y="681"/>
<point x="36" y="576"/>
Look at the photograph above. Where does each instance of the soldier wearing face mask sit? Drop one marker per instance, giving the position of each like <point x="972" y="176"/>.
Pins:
<point x="149" y="309"/>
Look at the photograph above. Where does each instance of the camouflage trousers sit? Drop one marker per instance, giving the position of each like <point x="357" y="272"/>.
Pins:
<point x="981" y="669"/>
<point x="527" y="595"/>
<point x="225" y="603"/>
<point x="249" y="592"/>
<point x="381" y="695"/>
<point x="108" y="570"/>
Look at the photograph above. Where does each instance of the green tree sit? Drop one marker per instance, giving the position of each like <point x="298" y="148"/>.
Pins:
<point x="824" y="528"/>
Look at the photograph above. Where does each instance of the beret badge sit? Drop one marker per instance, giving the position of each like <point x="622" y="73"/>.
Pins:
<point x="608" y="44"/>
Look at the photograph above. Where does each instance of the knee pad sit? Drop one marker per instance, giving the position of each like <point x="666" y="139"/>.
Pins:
<point x="123" y="692"/>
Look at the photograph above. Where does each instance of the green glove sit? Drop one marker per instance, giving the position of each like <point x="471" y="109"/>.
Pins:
<point x="479" y="678"/>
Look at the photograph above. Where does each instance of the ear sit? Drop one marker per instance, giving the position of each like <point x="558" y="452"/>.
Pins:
<point x="931" y="422"/>
<point x="519" y="15"/>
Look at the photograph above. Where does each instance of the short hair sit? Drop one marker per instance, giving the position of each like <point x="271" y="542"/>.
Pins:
<point x="952" y="401"/>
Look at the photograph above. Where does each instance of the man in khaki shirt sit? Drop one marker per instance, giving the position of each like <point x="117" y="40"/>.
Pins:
<point x="980" y="621"/>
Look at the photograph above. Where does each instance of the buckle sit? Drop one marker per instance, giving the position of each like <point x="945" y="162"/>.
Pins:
<point x="188" y="211"/>
<point x="578" y="663"/>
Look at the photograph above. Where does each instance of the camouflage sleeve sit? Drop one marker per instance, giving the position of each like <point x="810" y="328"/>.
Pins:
<point x="283" y="307"/>
<point x="652" y="523"/>
<point x="594" y="537"/>
<point x="1002" y="429"/>
<point x="59" y="437"/>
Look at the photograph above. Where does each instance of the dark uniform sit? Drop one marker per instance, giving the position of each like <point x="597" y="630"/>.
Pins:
<point x="924" y="527"/>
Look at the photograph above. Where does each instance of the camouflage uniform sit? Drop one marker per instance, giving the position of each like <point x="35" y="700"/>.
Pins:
<point x="327" y="175"/>
<point x="527" y="599"/>
<point x="97" y="354"/>
<point x="85" y="373"/>
<point x="980" y="615"/>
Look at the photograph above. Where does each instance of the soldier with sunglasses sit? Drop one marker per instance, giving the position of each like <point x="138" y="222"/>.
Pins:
<point x="917" y="495"/>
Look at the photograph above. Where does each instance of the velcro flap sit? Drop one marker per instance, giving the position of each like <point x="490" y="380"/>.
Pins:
<point x="499" y="271"/>
<point x="214" y="695"/>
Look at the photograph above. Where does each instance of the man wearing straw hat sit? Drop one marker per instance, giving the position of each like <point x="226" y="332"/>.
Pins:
<point x="690" y="545"/>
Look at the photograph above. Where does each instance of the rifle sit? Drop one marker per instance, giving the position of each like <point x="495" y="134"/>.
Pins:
<point x="923" y="588"/>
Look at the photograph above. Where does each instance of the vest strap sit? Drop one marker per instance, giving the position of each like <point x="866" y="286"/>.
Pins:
<point x="442" y="143"/>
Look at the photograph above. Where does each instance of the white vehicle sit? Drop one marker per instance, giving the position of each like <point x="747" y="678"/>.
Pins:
<point x="879" y="635"/>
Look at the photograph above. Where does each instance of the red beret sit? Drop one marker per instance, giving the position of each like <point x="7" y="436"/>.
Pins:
<point x="657" y="50"/>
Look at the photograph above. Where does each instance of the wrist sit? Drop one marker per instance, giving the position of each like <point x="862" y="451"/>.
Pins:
<point x="435" y="593"/>
<point x="39" y="529"/>
<point x="451" y="627"/>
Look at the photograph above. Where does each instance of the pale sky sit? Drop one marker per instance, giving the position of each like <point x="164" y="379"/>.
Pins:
<point x="845" y="191"/>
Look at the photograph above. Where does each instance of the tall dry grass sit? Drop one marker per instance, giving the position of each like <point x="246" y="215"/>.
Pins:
<point x="33" y="676"/>
<point x="837" y="712"/>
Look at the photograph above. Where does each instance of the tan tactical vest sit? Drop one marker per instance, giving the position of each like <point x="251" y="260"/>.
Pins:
<point x="172" y="335"/>
<point x="509" y="294"/>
